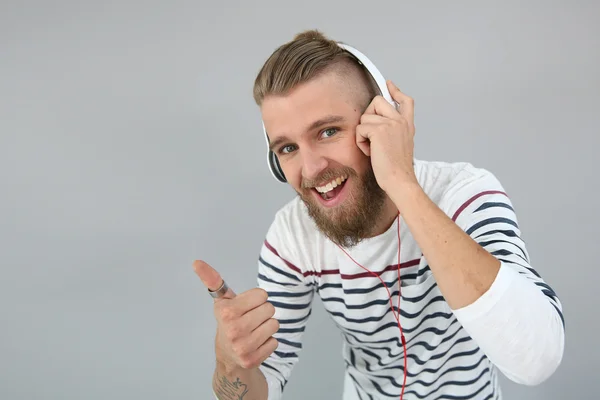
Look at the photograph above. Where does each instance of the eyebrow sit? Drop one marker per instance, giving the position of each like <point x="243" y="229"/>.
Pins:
<point x="330" y="119"/>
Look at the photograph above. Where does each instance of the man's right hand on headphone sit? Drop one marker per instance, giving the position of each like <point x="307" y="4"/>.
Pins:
<point x="245" y="323"/>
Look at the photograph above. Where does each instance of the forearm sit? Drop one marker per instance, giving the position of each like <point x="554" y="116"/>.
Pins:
<point x="239" y="383"/>
<point x="463" y="269"/>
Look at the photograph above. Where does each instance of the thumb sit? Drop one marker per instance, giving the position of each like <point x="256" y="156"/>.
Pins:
<point x="210" y="277"/>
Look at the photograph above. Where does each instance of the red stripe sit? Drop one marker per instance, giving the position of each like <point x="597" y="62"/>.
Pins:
<point x="392" y="267"/>
<point x="472" y="199"/>
<point x="289" y="264"/>
<point x="323" y="272"/>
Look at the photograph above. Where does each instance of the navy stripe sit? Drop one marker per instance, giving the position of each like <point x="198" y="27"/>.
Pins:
<point x="279" y="271"/>
<point x="291" y="306"/>
<point x="505" y="232"/>
<point x="264" y="278"/>
<point x="416" y="358"/>
<point x="403" y="313"/>
<point x="437" y="377"/>
<point x="290" y="343"/>
<point x="489" y="221"/>
<point x="504" y="252"/>
<point x="389" y="351"/>
<point x="359" y="387"/>
<point x="381" y="302"/>
<point x="533" y="271"/>
<point x="548" y="290"/>
<point x="487" y="243"/>
<point x="487" y="205"/>
<point x="291" y="330"/>
<point x="296" y="320"/>
<point x="286" y="355"/>
<point x="560" y="314"/>
<point x="404" y="277"/>
<point x="395" y="340"/>
<point x="269" y="366"/>
<point x="356" y="383"/>
<point x="439" y="355"/>
<point x="455" y="383"/>
<point x="290" y="294"/>
<point x="266" y="364"/>
<point x="387" y="301"/>
<point x="429" y="370"/>
<point x="429" y="347"/>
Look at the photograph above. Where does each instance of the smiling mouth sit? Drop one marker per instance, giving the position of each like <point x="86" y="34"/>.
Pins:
<point x="330" y="190"/>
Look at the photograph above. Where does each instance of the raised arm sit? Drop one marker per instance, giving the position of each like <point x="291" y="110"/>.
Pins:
<point x="243" y="339"/>
<point x="476" y="253"/>
<point x="259" y="332"/>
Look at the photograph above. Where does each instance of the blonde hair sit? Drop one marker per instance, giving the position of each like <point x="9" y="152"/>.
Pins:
<point x="305" y="57"/>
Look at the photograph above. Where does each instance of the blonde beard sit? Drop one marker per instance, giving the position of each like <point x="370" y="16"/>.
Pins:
<point x="350" y="222"/>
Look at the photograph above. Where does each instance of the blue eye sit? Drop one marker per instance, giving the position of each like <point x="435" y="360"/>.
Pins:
<point x="331" y="131"/>
<point x="282" y="150"/>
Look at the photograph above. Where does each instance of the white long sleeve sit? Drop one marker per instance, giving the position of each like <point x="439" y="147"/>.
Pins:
<point x="518" y="322"/>
<point x="517" y="327"/>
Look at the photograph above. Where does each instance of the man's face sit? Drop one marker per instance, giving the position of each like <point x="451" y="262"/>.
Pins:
<point x="312" y="131"/>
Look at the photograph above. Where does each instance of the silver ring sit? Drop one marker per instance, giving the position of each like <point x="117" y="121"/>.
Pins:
<point x="220" y="292"/>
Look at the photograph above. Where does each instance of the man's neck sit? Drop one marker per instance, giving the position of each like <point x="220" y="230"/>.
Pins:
<point x="388" y="215"/>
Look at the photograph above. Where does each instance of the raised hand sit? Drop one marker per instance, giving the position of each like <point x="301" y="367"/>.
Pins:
<point x="245" y="324"/>
<point x="386" y="135"/>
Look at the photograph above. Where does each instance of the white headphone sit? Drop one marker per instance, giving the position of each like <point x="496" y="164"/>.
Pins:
<point x="272" y="160"/>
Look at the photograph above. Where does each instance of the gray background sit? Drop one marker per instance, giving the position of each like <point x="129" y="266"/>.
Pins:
<point x="130" y="146"/>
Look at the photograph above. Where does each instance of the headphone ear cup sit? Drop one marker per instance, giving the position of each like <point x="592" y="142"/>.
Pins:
<point x="276" y="168"/>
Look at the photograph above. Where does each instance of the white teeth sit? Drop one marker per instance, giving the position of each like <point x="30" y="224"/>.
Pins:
<point x="331" y="185"/>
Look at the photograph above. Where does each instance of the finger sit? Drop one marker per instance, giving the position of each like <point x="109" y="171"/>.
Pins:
<point x="261" y="354"/>
<point x="363" y="137"/>
<point x="406" y="104"/>
<point x="373" y="119"/>
<point x="263" y="332"/>
<point x="251" y="299"/>
<point x="210" y="277"/>
<point x="236" y="308"/>
<point x="380" y="106"/>
<point x="255" y="317"/>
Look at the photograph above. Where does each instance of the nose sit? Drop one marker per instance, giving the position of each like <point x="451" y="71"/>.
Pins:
<point x="313" y="164"/>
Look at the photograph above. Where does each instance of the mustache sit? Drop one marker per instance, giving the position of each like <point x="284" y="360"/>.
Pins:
<point x="327" y="176"/>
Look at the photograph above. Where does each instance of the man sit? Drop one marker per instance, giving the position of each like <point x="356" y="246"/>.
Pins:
<point x="462" y="302"/>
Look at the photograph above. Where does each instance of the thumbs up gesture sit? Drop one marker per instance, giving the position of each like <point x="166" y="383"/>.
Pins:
<point x="245" y="323"/>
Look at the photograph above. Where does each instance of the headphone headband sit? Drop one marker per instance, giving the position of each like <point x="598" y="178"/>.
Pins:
<point x="273" y="161"/>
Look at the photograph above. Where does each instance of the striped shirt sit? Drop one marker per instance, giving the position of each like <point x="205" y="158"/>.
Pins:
<point x="515" y="328"/>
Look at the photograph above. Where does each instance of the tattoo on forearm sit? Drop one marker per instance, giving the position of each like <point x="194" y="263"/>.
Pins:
<point x="228" y="390"/>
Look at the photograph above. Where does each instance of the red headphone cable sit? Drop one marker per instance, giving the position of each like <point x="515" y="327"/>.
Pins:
<point x="397" y="316"/>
